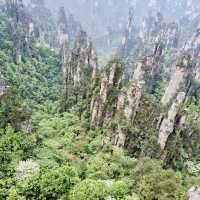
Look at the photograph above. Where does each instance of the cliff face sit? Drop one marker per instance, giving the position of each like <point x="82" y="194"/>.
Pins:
<point x="19" y="28"/>
<point x="2" y="87"/>
<point x="145" y="71"/>
<point x="148" y="72"/>
<point x="168" y="124"/>
<point x="179" y="79"/>
<point x="67" y="28"/>
<point x="127" y="39"/>
<point x="104" y="103"/>
<point x="154" y="29"/>
<point x="177" y="93"/>
<point x="79" y="67"/>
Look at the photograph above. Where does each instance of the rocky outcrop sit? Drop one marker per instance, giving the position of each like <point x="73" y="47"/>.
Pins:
<point x="104" y="104"/>
<point x="168" y="124"/>
<point x="128" y="35"/>
<point x="2" y="87"/>
<point x="74" y="27"/>
<point x="171" y="35"/>
<point x="120" y="137"/>
<point x="62" y="36"/>
<point x="150" y="28"/>
<point x="194" y="193"/>
<point x="154" y="29"/>
<point x="143" y="81"/>
<point x="178" y="80"/>
<point x="82" y="62"/>
<point x="128" y="100"/>
<point x="20" y="28"/>
<point x="179" y="88"/>
<point x="187" y="68"/>
<point x="15" y="9"/>
<point x="67" y="28"/>
<point x="44" y="24"/>
<point x="27" y="126"/>
<point x="193" y="43"/>
<point x="79" y="67"/>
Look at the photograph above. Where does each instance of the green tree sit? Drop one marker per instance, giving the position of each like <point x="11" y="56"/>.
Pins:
<point x="52" y="184"/>
<point x="120" y="189"/>
<point x="152" y="182"/>
<point x="14" y="147"/>
<point x="56" y="183"/>
<point x="89" y="190"/>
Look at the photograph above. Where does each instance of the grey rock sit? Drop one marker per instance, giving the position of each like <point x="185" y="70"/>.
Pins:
<point x="168" y="123"/>
<point x="2" y="87"/>
<point x="194" y="193"/>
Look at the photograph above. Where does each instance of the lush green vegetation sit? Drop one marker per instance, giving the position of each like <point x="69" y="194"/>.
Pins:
<point x="38" y="78"/>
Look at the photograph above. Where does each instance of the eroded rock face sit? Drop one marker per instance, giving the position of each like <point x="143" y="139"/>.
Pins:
<point x="128" y="100"/>
<point x="79" y="65"/>
<point x="67" y="28"/>
<point x="178" y="79"/>
<point x="14" y="9"/>
<point x="2" y="87"/>
<point x="128" y="35"/>
<point x="194" y="43"/>
<point x="154" y="29"/>
<point x="83" y="59"/>
<point x="168" y="123"/>
<point x="194" y="193"/>
<point x="145" y="71"/>
<point x="180" y="82"/>
<point x="27" y="126"/>
<point x="62" y="36"/>
<point x="120" y="138"/>
<point x="103" y="106"/>
<point x="18" y="56"/>
<point x="172" y="35"/>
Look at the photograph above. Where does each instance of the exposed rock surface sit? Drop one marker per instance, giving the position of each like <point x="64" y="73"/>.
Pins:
<point x="179" y="78"/>
<point x="128" y="35"/>
<point x="154" y="29"/>
<point x="67" y="28"/>
<point x="194" y="193"/>
<point x="168" y="123"/>
<point x="194" y="42"/>
<point x="79" y="66"/>
<point x="120" y="138"/>
<point x="128" y="100"/>
<point x="179" y="85"/>
<point x="27" y="126"/>
<point x="82" y="62"/>
<point x="20" y="27"/>
<point x="62" y="36"/>
<point x="104" y="104"/>
<point x="15" y="9"/>
<point x="44" y="26"/>
<point x="2" y="87"/>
